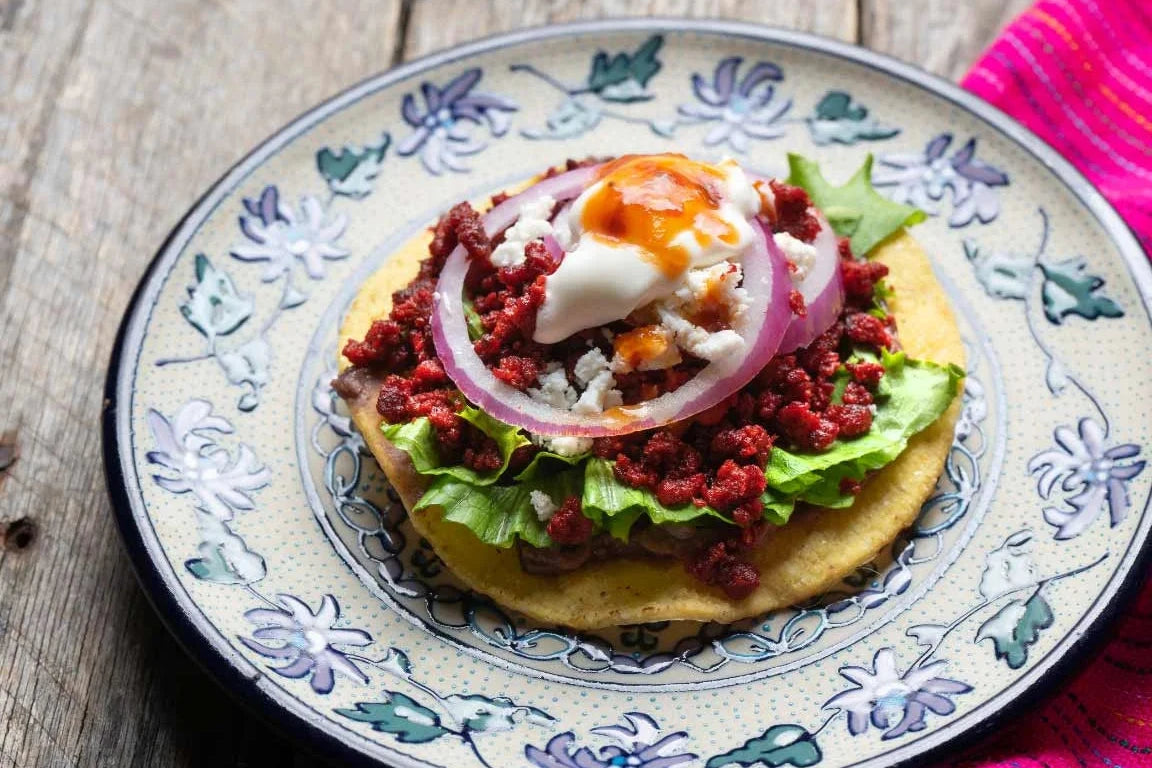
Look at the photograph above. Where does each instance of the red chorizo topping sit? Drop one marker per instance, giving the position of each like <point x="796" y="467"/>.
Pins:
<point x="568" y="524"/>
<point x="716" y="459"/>
<point x="866" y="329"/>
<point x="793" y="212"/>
<point x="860" y="277"/>
<point x="460" y="226"/>
<point x="850" y="420"/>
<point x="868" y="374"/>
<point x="796" y="303"/>
<point x="749" y="442"/>
<point x="856" y="394"/>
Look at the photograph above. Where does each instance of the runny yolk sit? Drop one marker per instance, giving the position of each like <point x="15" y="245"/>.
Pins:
<point x="651" y="200"/>
<point x="643" y="343"/>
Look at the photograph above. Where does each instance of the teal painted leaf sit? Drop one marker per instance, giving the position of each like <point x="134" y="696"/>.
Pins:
<point x="1015" y="627"/>
<point x="624" y="77"/>
<point x="247" y="365"/>
<point x="1003" y="276"/>
<point x="214" y="307"/>
<point x="837" y="105"/>
<point x="408" y="721"/>
<point x="480" y="713"/>
<point x="1069" y="290"/>
<point x="224" y="557"/>
<point x="396" y="662"/>
<point x="838" y="119"/>
<point x="780" y="745"/>
<point x="574" y="117"/>
<point x="352" y="171"/>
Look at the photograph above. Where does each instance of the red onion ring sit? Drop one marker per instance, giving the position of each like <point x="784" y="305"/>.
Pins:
<point x="823" y="292"/>
<point x="762" y="326"/>
<point x="554" y="249"/>
<point x="822" y="289"/>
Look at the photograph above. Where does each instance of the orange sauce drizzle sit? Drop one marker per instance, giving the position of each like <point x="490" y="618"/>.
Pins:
<point x="641" y="344"/>
<point x="650" y="200"/>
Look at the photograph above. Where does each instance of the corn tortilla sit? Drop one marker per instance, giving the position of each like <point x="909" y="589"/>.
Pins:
<point x="804" y="558"/>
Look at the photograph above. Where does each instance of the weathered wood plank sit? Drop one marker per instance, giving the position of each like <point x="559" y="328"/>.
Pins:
<point x="113" y="118"/>
<point x="437" y="24"/>
<point x="942" y="36"/>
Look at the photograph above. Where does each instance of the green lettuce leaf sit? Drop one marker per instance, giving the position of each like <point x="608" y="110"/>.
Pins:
<point x="777" y="508"/>
<point x="545" y="461"/>
<point x="918" y="392"/>
<point x="854" y="209"/>
<point x="472" y="318"/>
<point x="497" y="514"/>
<point x="418" y="439"/>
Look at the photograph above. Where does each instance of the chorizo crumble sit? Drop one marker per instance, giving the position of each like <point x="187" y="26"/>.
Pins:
<point x="716" y="459"/>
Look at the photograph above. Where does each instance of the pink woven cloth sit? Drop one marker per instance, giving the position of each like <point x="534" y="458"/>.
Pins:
<point x="1079" y="74"/>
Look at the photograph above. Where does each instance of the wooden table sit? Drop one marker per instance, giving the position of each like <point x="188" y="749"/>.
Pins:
<point x="114" y="116"/>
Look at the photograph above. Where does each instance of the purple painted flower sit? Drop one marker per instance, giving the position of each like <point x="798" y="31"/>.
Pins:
<point x="279" y="235"/>
<point x="193" y="462"/>
<point x="921" y="180"/>
<point x="740" y="110"/>
<point x="307" y="641"/>
<point x="882" y="695"/>
<point x="1097" y="473"/>
<point x="639" y="748"/>
<point x="444" y="127"/>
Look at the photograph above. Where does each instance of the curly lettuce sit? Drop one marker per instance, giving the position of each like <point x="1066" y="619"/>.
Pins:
<point x="855" y="209"/>
<point x="915" y="394"/>
<point x="499" y="514"/>
<point x="417" y="438"/>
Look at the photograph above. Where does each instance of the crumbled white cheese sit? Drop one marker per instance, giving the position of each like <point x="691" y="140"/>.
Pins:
<point x="719" y="345"/>
<point x="543" y="505"/>
<point x="801" y="255"/>
<point x="698" y="341"/>
<point x="554" y="389"/>
<point x="564" y="445"/>
<point x="532" y="223"/>
<point x="589" y="366"/>
<point x="599" y="395"/>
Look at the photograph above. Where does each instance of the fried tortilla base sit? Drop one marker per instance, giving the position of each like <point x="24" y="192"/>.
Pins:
<point x="804" y="558"/>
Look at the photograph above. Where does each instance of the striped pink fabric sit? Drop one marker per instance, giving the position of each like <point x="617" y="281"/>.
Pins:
<point x="1079" y="74"/>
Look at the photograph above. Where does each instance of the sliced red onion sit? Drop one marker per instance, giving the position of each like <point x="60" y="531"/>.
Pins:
<point x="823" y="292"/>
<point x="554" y="249"/>
<point x="822" y="289"/>
<point x="762" y="326"/>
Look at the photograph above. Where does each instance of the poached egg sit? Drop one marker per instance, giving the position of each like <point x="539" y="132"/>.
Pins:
<point x="633" y="236"/>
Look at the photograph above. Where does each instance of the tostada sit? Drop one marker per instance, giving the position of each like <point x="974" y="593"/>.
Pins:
<point x="652" y="388"/>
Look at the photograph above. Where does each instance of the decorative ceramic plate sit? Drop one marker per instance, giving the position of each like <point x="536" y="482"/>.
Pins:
<point x="274" y="548"/>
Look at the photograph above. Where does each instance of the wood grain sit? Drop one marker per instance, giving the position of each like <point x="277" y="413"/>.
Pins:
<point x="114" y="116"/>
<point x="942" y="36"/>
<point x="437" y="24"/>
